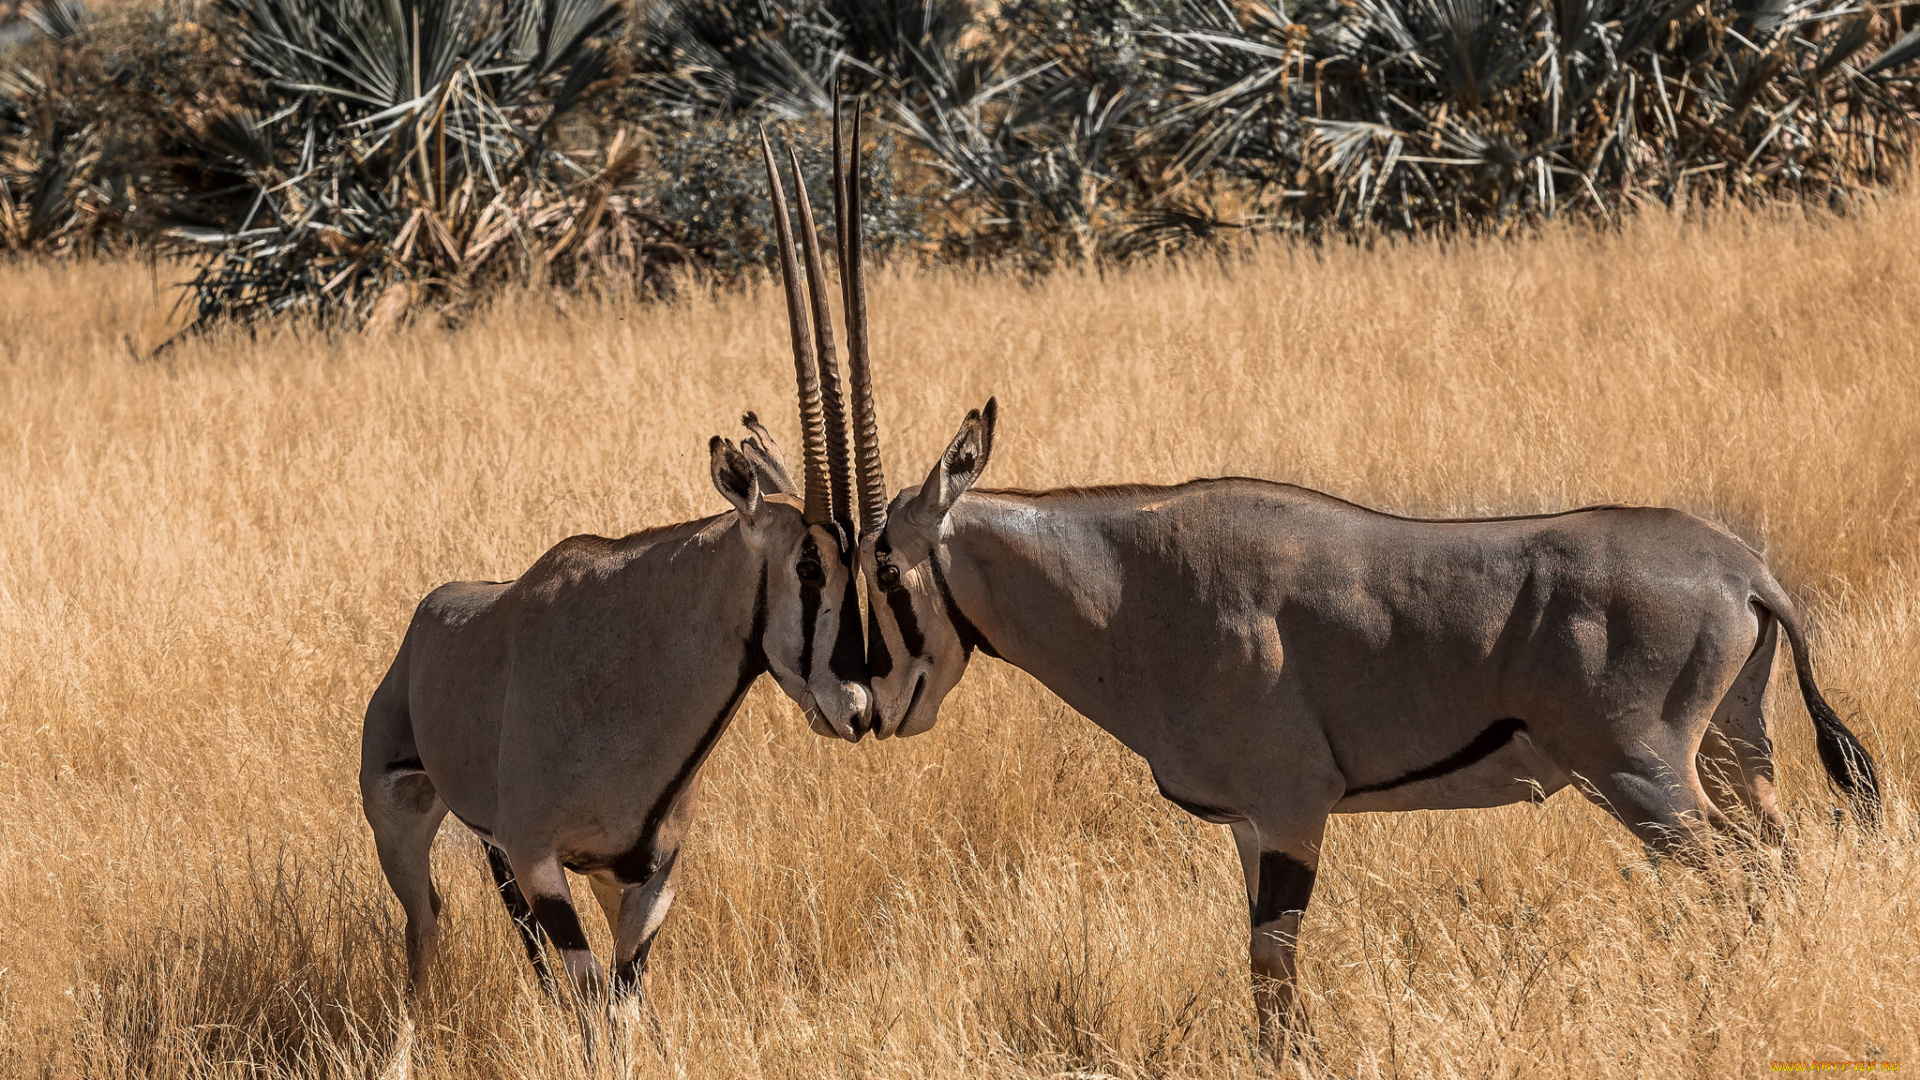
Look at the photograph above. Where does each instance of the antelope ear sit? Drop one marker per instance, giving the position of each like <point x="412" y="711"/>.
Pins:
<point x="916" y="528"/>
<point x="736" y="478"/>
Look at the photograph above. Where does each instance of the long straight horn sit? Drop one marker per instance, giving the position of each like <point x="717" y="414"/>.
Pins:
<point x="813" y="435"/>
<point x="853" y="278"/>
<point x="834" y="407"/>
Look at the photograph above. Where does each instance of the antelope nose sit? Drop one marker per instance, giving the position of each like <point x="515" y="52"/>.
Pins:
<point x="859" y="710"/>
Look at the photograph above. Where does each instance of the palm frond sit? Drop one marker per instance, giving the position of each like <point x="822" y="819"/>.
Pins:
<point x="404" y="142"/>
<point x="1897" y="55"/>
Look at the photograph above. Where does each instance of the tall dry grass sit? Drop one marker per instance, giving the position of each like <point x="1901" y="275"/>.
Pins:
<point x="207" y="562"/>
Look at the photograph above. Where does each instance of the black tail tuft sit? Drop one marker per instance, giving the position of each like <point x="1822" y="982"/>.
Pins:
<point x="1848" y="765"/>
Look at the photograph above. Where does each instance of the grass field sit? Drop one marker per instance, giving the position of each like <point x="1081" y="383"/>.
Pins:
<point x="206" y="563"/>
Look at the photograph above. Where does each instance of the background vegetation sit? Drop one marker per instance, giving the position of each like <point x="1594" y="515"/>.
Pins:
<point x="208" y="562"/>
<point x="367" y="159"/>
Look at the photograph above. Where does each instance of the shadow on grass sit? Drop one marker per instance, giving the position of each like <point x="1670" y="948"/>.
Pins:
<point x="290" y="965"/>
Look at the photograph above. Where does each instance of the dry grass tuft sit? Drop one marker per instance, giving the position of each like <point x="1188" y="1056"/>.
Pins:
<point x="208" y="561"/>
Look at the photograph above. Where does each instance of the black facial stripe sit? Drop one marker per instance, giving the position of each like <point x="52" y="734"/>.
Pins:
<point x="1286" y="884"/>
<point x="809" y="611"/>
<point x="900" y="602"/>
<point x="1497" y="735"/>
<point x="849" y="659"/>
<point x="879" y="659"/>
<point x="970" y="636"/>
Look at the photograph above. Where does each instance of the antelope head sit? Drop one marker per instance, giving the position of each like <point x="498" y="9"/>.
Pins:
<point x="915" y="650"/>
<point x="918" y="642"/>
<point x="813" y="633"/>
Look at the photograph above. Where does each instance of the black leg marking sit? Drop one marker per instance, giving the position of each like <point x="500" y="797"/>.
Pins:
<point x="1286" y="884"/>
<point x="849" y="659"/>
<point x="519" y="911"/>
<point x="637" y="863"/>
<point x="627" y="979"/>
<point x="1497" y="735"/>
<point x="560" y="921"/>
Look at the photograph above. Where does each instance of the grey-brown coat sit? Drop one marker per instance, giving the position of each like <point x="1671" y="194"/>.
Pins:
<point x="564" y="716"/>
<point x="1278" y="655"/>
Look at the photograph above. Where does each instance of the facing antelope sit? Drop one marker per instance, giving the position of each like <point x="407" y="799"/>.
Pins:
<point x="564" y="717"/>
<point x="1278" y="655"/>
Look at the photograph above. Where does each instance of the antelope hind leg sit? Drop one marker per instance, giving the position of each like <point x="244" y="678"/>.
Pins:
<point x="405" y="813"/>
<point x="1658" y="797"/>
<point x="1736" y="757"/>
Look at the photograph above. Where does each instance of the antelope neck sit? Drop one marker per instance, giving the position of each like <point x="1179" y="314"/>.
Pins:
<point x="1038" y="589"/>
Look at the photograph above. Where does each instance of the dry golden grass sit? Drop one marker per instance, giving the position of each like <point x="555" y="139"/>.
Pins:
<point x="207" y="563"/>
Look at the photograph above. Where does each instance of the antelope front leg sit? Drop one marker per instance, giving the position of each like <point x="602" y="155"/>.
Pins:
<point x="545" y="884"/>
<point x="642" y="910"/>
<point x="1280" y="874"/>
<point x="1274" y="953"/>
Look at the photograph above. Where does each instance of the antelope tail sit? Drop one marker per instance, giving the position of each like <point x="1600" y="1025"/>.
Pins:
<point x="1849" y="767"/>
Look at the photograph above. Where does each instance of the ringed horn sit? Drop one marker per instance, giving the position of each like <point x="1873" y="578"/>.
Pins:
<point x="823" y="410"/>
<point x="853" y="281"/>
<point x="819" y="506"/>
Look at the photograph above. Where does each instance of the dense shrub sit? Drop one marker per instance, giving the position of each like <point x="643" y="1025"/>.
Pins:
<point x="399" y="154"/>
<point x="710" y="185"/>
<point x="1412" y="115"/>
<point x="1073" y="128"/>
<point x="1139" y="125"/>
<point x="92" y="112"/>
<point x="300" y="149"/>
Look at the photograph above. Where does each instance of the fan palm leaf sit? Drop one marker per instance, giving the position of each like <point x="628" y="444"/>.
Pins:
<point x="404" y="141"/>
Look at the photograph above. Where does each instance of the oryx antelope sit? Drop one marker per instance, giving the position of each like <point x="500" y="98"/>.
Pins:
<point x="565" y="716"/>
<point x="1278" y="655"/>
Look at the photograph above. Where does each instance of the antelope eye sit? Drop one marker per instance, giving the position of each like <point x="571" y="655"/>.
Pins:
<point x="808" y="570"/>
<point x="889" y="575"/>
